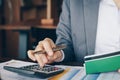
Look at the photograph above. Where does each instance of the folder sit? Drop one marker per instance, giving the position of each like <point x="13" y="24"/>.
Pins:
<point x="102" y="63"/>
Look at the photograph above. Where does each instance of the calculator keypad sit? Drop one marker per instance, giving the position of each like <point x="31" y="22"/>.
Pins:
<point x="45" y="72"/>
<point x="36" y="68"/>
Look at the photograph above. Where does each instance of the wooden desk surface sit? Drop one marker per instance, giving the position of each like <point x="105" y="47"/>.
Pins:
<point x="22" y="27"/>
<point x="10" y="27"/>
<point x="23" y="39"/>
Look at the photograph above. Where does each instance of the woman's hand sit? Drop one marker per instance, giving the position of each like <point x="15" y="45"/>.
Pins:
<point x="47" y="44"/>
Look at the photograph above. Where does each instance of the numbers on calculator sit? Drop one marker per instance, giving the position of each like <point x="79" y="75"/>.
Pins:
<point x="45" y="69"/>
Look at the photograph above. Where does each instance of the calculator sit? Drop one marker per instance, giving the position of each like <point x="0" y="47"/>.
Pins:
<point x="45" y="72"/>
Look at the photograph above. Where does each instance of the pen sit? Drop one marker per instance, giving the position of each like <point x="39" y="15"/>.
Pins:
<point x="57" y="48"/>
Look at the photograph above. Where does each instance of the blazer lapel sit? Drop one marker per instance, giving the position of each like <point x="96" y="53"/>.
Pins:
<point x="91" y="8"/>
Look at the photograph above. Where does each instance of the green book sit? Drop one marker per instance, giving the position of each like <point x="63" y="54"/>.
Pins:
<point x="102" y="63"/>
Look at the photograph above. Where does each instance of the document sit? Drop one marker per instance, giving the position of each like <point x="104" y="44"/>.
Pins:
<point x="109" y="76"/>
<point x="8" y="75"/>
<point x="70" y="73"/>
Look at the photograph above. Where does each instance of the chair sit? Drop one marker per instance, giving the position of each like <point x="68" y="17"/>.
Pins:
<point x="42" y="33"/>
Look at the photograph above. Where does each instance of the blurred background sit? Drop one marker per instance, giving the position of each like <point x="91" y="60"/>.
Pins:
<point x="24" y="22"/>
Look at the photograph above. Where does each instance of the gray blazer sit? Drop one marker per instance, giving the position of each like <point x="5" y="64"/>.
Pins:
<point x="77" y="28"/>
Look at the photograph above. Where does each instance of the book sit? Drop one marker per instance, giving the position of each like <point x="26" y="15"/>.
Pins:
<point x="102" y="63"/>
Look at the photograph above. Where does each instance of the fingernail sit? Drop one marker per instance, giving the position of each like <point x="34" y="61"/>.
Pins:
<point x="50" y="53"/>
<point x="34" y="59"/>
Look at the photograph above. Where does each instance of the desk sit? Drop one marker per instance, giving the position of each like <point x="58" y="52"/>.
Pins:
<point x="70" y="73"/>
<point x="23" y="38"/>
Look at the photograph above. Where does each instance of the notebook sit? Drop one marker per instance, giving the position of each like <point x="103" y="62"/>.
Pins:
<point x="102" y="62"/>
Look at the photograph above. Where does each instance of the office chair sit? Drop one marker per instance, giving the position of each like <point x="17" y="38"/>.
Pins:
<point x="42" y="33"/>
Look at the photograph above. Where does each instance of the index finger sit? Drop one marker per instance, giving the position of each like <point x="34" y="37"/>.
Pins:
<point x="48" y="45"/>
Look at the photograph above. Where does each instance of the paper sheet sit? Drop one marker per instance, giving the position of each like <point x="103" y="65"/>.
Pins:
<point x="7" y="75"/>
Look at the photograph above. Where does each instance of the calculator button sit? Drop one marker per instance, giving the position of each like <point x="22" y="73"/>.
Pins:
<point x="46" y="69"/>
<point x="55" y="68"/>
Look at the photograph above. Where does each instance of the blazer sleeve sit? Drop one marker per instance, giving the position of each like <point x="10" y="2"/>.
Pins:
<point x="63" y="32"/>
